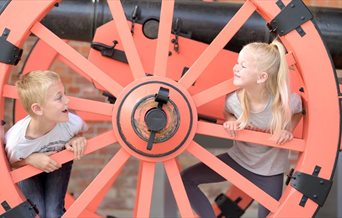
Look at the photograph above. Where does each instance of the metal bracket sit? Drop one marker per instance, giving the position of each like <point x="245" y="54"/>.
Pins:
<point x="311" y="186"/>
<point x="291" y="17"/>
<point x="135" y="17"/>
<point x="110" y="51"/>
<point x="4" y="6"/>
<point x="25" y="209"/>
<point x="9" y="53"/>
<point x="156" y="118"/>
<point x="111" y="98"/>
<point x="162" y="97"/>
<point x="228" y="207"/>
<point x="176" y="30"/>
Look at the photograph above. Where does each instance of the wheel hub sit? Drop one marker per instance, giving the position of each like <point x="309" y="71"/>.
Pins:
<point x="155" y="117"/>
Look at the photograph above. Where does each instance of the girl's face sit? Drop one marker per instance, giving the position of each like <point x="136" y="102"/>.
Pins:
<point x="245" y="71"/>
<point x="55" y="108"/>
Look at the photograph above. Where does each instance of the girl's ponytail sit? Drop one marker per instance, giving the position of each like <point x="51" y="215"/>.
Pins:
<point x="280" y="109"/>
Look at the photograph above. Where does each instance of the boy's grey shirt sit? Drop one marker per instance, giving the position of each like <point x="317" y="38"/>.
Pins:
<point x="18" y="147"/>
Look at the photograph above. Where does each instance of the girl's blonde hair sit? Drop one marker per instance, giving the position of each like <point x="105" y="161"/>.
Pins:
<point x="33" y="87"/>
<point x="270" y="58"/>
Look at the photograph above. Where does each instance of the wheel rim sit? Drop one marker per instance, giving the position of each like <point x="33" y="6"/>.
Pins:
<point x="316" y="103"/>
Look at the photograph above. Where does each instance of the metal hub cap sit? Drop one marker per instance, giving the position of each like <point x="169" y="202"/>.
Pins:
<point x="141" y="120"/>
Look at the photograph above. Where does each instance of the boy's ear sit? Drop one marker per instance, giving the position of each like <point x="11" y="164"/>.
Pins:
<point x="36" y="109"/>
<point x="262" y="77"/>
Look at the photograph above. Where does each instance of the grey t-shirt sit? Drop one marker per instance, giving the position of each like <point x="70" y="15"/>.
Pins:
<point x="18" y="147"/>
<point x="259" y="159"/>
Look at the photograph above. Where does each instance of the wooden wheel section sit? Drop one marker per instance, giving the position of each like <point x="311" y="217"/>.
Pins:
<point x="134" y="112"/>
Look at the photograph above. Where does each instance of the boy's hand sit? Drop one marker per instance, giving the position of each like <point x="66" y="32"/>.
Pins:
<point x="77" y="145"/>
<point x="231" y="127"/>
<point x="284" y="136"/>
<point x="43" y="162"/>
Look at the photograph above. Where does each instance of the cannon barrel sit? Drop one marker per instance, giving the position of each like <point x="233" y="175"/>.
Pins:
<point x="200" y="21"/>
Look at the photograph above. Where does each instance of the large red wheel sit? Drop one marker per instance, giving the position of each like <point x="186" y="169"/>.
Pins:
<point x="135" y="101"/>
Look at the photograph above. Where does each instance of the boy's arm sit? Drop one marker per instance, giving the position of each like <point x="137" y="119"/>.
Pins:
<point x="78" y="145"/>
<point x="41" y="161"/>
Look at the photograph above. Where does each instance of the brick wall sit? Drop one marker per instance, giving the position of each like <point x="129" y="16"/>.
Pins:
<point x="121" y="197"/>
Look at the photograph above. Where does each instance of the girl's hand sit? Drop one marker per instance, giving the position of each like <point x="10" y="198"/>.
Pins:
<point x="232" y="127"/>
<point x="77" y="145"/>
<point x="284" y="136"/>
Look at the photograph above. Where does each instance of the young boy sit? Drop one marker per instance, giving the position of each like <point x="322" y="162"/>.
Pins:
<point x="48" y="128"/>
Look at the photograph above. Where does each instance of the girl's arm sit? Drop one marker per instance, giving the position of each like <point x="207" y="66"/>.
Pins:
<point x="229" y="117"/>
<point x="286" y="135"/>
<point x="231" y="125"/>
<point x="294" y="121"/>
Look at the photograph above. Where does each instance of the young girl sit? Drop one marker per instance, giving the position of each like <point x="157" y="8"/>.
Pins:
<point x="262" y="103"/>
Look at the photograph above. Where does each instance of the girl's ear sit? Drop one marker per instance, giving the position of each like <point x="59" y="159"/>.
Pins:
<point x="37" y="109"/>
<point x="262" y="77"/>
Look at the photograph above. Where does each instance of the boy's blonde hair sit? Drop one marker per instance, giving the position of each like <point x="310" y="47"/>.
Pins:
<point x="32" y="87"/>
<point x="270" y="58"/>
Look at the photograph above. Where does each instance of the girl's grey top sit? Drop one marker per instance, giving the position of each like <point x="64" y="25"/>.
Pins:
<point x="260" y="159"/>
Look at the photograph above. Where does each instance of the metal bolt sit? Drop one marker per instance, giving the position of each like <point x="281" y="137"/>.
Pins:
<point x="321" y="182"/>
<point x="315" y="196"/>
<point x="292" y="5"/>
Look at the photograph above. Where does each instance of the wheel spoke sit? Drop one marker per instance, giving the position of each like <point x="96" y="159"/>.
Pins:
<point x="214" y="92"/>
<point x="101" y="194"/>
<point x="232" y="176"/>
<point x="88" y="212"/>
<point x="109" y="172"/>
<point x="217" y="44"/>
<point x="73" y="56"/>
<point x="80" y="104"/>
<point x="144" y="189"/>
<point x="45" y="60"/>
<point x="164" y="32"/>
<point x="91" y="106"/>
<point x="250" y="136"/>
<point x="126" y="38"/>
<point x="178" y="189"/>
<point x="73" y="67"/>
<point x="64" y="156"/>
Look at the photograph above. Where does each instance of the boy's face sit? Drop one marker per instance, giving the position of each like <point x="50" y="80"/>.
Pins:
<point x="55" y="108"/>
